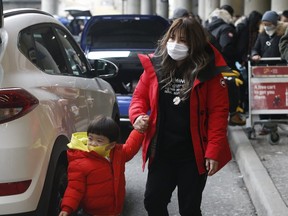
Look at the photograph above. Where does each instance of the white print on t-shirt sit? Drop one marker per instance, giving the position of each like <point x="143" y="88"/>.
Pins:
<point x="174" y="89"/>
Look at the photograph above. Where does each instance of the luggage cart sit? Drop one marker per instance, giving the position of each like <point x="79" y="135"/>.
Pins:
<point x="268" y="94"/>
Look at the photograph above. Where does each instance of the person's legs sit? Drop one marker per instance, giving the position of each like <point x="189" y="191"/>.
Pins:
<point x="190" y="188"/>
<point x="159" y="188"/>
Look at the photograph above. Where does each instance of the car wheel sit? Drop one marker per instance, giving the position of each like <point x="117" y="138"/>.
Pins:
<point x="59" y="186"/>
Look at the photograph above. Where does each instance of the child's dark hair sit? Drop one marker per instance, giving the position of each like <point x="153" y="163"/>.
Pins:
<point x="105" y="126"/>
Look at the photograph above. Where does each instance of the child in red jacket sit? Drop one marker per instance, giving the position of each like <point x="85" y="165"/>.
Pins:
<point x="96" y="180"/>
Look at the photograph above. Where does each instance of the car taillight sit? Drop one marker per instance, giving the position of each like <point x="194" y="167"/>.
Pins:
<point x="14" y="103"/>
<point x="13" y="188"/>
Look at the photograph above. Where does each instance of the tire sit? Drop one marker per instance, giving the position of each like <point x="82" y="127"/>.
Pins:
<point x="274" y="138"/>
<point x="59" y="186"/>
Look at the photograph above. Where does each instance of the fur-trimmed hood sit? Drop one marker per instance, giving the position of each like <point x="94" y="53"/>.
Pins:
<point x="280" y="28"/>
<point x="220" y="14"/>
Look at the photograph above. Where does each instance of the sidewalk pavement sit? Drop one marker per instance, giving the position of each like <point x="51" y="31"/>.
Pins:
<point x="265" y="170"/>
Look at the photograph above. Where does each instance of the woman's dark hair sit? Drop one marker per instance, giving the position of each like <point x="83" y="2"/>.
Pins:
<point x="198" y="58"/>
<point x="105" y="126"/>
<point x="254" y="20"/>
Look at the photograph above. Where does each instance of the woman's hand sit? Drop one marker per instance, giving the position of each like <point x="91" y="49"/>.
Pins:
<point x="141" y="123"/>
<point x="211" y="166"/>
<point x="63" y="213"/>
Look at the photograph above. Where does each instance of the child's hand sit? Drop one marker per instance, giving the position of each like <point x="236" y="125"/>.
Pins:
<point x="63" y="213"/>
<point x="141" y="123"/>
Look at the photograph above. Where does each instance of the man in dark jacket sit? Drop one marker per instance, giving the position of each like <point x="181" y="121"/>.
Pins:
<point x="220" y="26"/>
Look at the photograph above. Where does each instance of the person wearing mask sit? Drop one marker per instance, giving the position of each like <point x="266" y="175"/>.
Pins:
<point x="267" y="45"/>
<point x="186" y="95"/>
<point x="270" y="32"/>
<point x="96" y="180"/>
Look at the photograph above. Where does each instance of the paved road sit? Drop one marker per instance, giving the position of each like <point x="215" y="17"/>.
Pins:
<point x="225" y="193"/>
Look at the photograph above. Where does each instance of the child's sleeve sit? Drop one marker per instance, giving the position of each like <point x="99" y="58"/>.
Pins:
<point x="132" y="144"/>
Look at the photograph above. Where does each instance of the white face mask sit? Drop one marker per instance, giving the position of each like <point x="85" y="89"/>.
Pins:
<point x="270" y="30"/>
<point x="177" y="51"/>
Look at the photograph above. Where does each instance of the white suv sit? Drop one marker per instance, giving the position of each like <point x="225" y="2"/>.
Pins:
<point x="47" y="91"/>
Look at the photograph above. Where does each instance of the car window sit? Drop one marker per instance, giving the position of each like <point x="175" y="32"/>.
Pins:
<point x="41" y="46"/>
<point x="76" y="59"/>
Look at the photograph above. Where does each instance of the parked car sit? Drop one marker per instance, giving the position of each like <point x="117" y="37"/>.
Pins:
<point x="75" y="21"/>
<point x="119" y="38"/>
<point x="48" y="90"/>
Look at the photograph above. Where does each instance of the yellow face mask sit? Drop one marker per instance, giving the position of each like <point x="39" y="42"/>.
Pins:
<point x="101" y="150"/>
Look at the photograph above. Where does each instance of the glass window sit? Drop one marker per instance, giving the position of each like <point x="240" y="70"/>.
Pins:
<point x="54" y="52"/>
<point x="76" y="59"/>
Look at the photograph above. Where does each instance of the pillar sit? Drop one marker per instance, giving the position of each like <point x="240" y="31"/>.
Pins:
<point x="133" y="6"/>
<point x="162" y="8"/>
<point x="211" y="5"/>
<point x="237" y="5"/>
<point x="279" y="5"/>
<point x="201" y="10"/>
<point x="50" y="6"/>
<point x="146" y="7"/>
<point x="195" y="6"/>
<point x="259" y="5"/>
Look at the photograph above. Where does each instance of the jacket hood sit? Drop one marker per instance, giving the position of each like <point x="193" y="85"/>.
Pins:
<point x="280" y="28"/>
<point x="220" y="14"/>
<point x="214" y="24"/>
<point x="79" y="141"/>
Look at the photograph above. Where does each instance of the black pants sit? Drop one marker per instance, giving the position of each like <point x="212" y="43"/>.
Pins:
<point x="163" y="177"/>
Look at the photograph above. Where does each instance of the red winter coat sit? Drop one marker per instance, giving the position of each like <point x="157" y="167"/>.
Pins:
<point x="97" y="184"/>
<point x="209" y="109"/>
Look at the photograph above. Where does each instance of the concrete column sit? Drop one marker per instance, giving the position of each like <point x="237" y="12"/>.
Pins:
<point x="201" y="10"/>
<point x="259" y="5"/>
<point x="237" y="5"/>
<point x="147" y="7"/>
<point x="50" y="6"/>
<point x="195" y="6"/>
<point x="211" y="5"/>
<point x="162" y="8"/>
<point x="133" y="6"/>
<point x="279" y="5"/>
<point x="187" y="4"/>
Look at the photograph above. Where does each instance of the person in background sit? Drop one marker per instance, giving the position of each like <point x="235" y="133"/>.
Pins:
<point x="247" y="29"/>
<point x="220" y="25"/>
<point x="183" y="89"/>
<point x="229" y="9"/>
<point x="283" y="46"/>
<point x="270" y="32"/>
<point x="96" y="181"/>
<point x="284" y="16"/>
<point x="267" y="45"/>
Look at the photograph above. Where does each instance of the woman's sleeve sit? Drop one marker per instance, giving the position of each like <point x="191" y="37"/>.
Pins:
<point x="140" y="103"/>
<point x="218" y="110"/>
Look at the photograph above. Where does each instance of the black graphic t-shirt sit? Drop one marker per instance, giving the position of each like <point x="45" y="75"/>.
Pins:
<point x="174" y="129"/>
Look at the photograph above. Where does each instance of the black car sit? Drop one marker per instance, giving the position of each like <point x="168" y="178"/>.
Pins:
<point x="119" y="38"/>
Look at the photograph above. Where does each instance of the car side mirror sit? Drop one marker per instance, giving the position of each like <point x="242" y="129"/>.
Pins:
<point x="104" y="69"/>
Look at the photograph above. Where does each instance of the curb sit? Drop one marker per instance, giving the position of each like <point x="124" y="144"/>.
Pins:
<point x="264" y="195"/>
